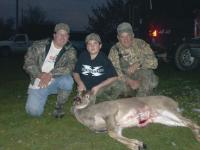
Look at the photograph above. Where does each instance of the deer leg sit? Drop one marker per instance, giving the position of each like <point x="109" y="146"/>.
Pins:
<point x="115" y="132"/>
<point x="168" y="118"/>
<point x="193" y="126"/>
<point x="176" y="119"/>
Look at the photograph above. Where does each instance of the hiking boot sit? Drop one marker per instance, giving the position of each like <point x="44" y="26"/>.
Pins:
<point x="59" y="108"/>
<point x="58" y="112"/>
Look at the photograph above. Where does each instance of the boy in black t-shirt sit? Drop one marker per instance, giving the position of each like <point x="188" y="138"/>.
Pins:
<point x="94" y="71"/>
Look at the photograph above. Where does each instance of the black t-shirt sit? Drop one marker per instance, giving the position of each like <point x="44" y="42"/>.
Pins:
<point x="93" y="72"/>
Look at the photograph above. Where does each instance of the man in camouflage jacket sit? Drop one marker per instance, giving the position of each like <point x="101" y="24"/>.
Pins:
<point x="49" y="64"/>
<point x="134" y="62"/>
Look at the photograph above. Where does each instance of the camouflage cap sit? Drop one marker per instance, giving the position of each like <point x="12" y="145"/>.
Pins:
<point x="124" y="27"/>
<point x="62" y="26"/>
<point x="93" y="36"/>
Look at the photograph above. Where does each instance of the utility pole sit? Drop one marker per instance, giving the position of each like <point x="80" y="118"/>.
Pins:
<point x="22" y="13"/>
<point x="150" y="5"/>
<point x="17" y="16"/>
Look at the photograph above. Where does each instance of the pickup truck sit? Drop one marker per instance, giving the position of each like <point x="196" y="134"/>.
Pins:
<point x="16" y="44"/>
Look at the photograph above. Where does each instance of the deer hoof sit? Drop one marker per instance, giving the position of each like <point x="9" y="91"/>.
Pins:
<point x="143" y="147"/>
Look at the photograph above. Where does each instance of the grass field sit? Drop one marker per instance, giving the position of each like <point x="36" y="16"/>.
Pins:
<point x="18" y="131"/>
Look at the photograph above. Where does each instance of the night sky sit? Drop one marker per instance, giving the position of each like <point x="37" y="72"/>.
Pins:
<point x="73" y="12"/>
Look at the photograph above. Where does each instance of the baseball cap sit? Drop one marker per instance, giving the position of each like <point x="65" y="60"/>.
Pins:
<point x="125" y="27"/>
<point x="62" y="26"/>
<point x="93" y="36"/>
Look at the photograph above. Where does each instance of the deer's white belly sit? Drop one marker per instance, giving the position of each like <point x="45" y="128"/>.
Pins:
<point x="168" y="118"/>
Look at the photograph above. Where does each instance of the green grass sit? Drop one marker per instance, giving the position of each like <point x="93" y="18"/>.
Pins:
<point x="18" y="131"/>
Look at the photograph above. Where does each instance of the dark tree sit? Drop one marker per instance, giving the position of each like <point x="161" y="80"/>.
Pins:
<point x="6" y="28"/>
<point x="105" y="18"/>
<point x="35" y="15"/>
<point x="35" y="23"/>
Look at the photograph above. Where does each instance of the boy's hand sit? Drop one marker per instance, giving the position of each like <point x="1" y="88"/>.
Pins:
<point x="81" y="87"/>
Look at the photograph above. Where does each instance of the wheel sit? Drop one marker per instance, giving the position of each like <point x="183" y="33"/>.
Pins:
<point x="183" y="59"/>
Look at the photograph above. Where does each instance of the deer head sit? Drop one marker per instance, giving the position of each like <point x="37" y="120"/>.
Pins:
<point x="82" y="99"/>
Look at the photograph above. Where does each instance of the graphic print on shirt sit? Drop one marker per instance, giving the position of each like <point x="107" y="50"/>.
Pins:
<point x="94" y="71"/>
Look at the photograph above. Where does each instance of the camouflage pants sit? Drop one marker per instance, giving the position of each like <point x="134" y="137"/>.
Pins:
<point x="148" y="81"/>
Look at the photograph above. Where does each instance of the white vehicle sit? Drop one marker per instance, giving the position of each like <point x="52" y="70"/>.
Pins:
<point x="18" y="43"/>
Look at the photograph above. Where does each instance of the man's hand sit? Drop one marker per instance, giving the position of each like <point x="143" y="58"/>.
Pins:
<point x="45" y="78"/>
<point x="132" y="68"/>
<point x="134" y="84"/>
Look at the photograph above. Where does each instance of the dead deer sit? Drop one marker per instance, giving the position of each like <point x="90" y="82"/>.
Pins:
<point x="114" y="116"/>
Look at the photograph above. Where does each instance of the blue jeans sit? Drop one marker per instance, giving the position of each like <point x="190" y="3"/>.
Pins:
<point x="37" y="97"/>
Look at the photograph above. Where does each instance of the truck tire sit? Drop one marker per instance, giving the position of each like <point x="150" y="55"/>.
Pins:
<point x="183" y="59"/>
